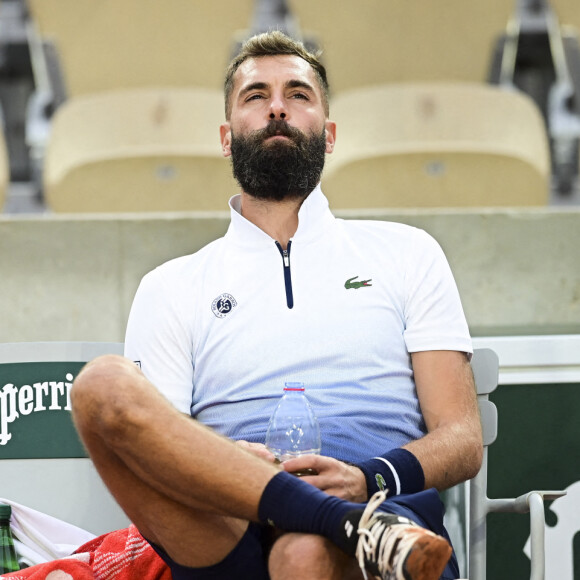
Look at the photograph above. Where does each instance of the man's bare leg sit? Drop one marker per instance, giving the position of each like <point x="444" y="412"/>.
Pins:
<point x="192" y="491"/>
<point x="310" y="557"/>
<point x="182" y="484"/>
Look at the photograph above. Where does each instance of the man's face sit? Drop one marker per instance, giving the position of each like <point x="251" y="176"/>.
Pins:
<point x="277" y="134"/>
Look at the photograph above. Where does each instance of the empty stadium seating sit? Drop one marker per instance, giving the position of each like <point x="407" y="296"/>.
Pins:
<point x="130" y="132"/>
<point x="375" y="41"/>
<point x="138" y="150"/>
<point x="540" y="55"/>
<point x="113" y="44"/>
<point x="568" y="12"/>
<point x="437" y="145"/>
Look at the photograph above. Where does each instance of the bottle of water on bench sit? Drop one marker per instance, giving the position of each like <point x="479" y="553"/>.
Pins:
<point x="8" y="557"/>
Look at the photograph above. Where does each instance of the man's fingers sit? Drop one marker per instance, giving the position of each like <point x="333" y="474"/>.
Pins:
<point x="302" y="462"/>
<point x="258" y="449"/>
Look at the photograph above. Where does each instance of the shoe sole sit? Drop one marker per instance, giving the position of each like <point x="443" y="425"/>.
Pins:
<point x="428" y="558"/>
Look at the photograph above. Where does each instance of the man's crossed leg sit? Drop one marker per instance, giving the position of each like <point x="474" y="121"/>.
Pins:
<point x="193" y="493"/>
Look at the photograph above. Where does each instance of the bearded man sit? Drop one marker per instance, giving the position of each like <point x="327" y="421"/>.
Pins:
<point x="217" y="335"/>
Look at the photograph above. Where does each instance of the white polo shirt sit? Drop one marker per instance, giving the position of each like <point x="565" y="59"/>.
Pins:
<point x="219" y="332"/>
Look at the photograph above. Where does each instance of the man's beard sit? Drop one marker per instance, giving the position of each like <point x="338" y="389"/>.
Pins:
<point x="283" y="169"/>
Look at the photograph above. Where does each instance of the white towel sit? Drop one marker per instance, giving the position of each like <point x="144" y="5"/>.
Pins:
<point x="40" y="538"/>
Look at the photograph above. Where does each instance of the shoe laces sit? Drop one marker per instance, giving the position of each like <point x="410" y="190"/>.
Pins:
<point x="384" y="540"/>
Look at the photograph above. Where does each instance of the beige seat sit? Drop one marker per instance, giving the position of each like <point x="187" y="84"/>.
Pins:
<point x="437" y="145"/>
<point x="375" y="41"/>
<point x="138" y="150"/>
<point x="567" y="11"/>
<point x="540" y="55"/>
<point x="111" y="44"/>
<point x="133" y="134"/>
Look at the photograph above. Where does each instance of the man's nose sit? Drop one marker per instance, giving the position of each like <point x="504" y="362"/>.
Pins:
<point x="278" y="109"/>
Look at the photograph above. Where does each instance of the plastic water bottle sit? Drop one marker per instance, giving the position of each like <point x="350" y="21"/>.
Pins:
<point x="8" y="557"/>
<point x="293" y="429"/>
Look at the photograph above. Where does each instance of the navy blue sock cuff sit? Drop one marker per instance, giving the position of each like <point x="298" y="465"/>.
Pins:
<point x="397" y="471"/>
<point x="293" y="505"/>
<point x="280" y="486"/>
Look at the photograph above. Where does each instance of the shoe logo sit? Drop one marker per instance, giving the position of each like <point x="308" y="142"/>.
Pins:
<point x="348" y="528"/>
<point x="223" y="305"/>
<point x="350" y="283"/>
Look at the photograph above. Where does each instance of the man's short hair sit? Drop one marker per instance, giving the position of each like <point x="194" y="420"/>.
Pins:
<point x="274" y="43"/>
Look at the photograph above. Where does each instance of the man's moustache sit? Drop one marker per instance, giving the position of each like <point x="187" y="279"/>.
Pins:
<point x="279" y="127"/>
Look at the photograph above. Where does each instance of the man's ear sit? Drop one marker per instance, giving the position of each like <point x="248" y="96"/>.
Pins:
<point x="330" y="129"/>
<point x="226" y="139"/>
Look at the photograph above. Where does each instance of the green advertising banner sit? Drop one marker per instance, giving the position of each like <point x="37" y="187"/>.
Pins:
<point x="35" y="413"/>
<point x="538" y="447"/>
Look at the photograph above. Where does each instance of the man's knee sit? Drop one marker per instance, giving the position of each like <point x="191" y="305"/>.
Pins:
<point x="105" y="389"/>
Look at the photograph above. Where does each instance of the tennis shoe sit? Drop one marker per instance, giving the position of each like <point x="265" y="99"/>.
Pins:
<point x="391" y="547"/>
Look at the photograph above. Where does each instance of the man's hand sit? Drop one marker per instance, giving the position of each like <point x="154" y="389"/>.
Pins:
<point x="258" y="449"/>
<point x="334" y="477"/>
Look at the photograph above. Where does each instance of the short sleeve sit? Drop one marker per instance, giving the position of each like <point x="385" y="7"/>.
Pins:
<point x="157" y="339"/>
<point x="434" y="317"/>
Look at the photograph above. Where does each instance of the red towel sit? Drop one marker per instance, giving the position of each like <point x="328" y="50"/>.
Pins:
<point x="120" y="555"/>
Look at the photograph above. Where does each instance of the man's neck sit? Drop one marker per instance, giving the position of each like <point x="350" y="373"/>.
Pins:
<point x="279" y="219"/>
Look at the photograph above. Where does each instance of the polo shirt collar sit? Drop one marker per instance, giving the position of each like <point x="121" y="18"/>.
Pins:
<point x="314" y="217"/>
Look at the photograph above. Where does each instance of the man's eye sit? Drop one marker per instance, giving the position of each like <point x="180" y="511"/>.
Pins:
<point x="254" y="97"/>
<point x="300" y="96"/>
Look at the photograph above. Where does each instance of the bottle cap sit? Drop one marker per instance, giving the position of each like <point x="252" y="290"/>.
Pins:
<point x="5" y="511"/>
<point x="293" y="386"/>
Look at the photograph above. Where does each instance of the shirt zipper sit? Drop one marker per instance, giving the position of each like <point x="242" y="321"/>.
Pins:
<point x="287" y="277"/>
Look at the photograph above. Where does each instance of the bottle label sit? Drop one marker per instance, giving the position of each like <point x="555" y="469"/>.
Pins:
<point x="6" y="541"/>
<point x="8" y="558"/>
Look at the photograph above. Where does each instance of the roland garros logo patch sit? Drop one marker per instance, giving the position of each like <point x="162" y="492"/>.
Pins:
<point x="223" y="305"/>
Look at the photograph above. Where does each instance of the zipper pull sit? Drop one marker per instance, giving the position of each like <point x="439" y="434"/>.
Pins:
<point x="287" y="277"/>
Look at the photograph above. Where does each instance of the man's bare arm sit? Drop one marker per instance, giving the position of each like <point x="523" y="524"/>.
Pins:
<point x="452" y="450"/>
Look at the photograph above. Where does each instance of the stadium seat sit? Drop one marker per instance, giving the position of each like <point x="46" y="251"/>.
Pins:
<point x="437" y="145"/>
<point x="138" y="150"/>
<point x="112" y="44"/>
<point x="539" y="54"/>
<point x="567" y="11"/>
<point x="130" y="133"/>
<point x="375" y="41"/>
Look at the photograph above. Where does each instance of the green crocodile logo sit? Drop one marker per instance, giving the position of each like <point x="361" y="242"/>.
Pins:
<point x="350" y="283"/>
